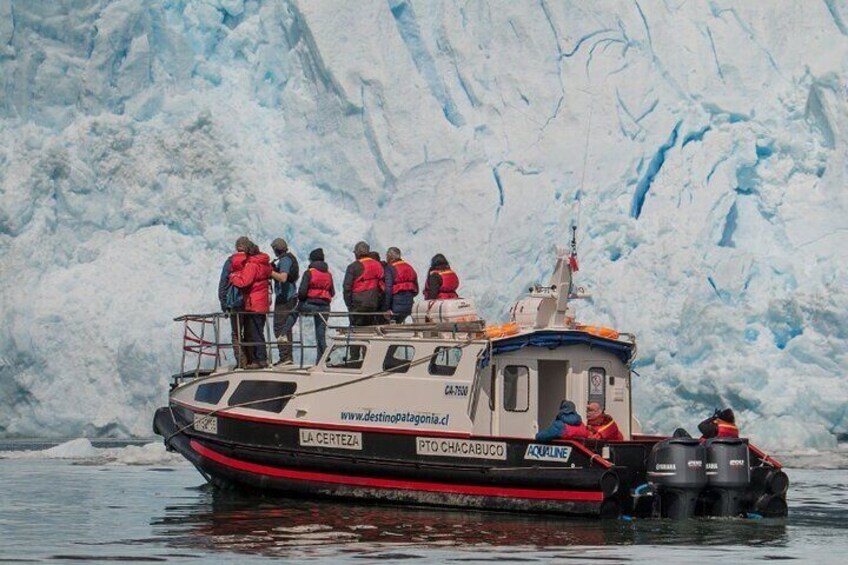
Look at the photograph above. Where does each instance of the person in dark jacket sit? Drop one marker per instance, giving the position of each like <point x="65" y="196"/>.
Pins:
<point x="567" y="425"/>
<point x="252" y="276"/>
<point x="285" y="297"/>
<point x="236" y="320"/>
<point x="363" y="286"/>
<point x="721" y="424"/>
<point x="442" y="283"/>
<point x="315" y="294"/>
<point x="401" y="286"/>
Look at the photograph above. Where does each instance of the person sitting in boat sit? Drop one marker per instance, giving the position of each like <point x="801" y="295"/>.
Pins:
<point x="600" y="424"/>
<point x="567" y="425"/>
<point x="315" y="294"/>
<point x="442" y="283"/>
<point x="363" y="285"/>
<point x="721" y="424"/>
<point x="401" y="286"/>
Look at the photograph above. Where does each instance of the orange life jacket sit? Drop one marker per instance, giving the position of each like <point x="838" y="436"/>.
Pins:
<point x="450" y="283"/>
<point x="726" y="429"/>
<point x="320" y="283"/>
<point x="371" y="278"/>
<point x="406" y="279"/>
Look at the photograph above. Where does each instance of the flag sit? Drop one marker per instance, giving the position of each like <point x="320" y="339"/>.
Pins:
<point x="572" y="262"/>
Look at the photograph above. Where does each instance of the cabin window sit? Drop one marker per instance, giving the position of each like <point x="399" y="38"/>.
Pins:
<point x="492" y="383"/>
<point x="211" y="393"/>
<point x="597" y="390"/>
<point x="346" y="357"/>
<point x="445" y="360"/>
<point x="269" y="396"/>
<point x="516" y="388"/>
<point x="398" y="358"/>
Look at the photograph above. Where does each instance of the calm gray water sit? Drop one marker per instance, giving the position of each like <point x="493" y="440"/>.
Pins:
<point x="59" y="511"/>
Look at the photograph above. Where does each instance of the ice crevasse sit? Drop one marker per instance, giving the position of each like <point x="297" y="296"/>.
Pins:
<point x="700" y="145"/>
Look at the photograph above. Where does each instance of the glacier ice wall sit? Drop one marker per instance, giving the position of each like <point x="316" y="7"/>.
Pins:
<point x="701" y="145"/>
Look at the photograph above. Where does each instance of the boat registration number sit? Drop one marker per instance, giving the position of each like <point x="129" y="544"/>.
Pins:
<point x="206" y="424"/>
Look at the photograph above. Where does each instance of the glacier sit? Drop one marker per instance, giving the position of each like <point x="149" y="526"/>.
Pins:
<point x="698" y="147"/>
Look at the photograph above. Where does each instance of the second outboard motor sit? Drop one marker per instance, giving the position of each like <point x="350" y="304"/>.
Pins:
<point x="677" y="468"/>
<point x="728" y="475"/>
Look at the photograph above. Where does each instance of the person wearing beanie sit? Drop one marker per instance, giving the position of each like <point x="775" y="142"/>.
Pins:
<point x="721" y="424"/>
<point x="315" y="294"/>
<point x="285" y="274"/>
<point x="567" y="425"/>
<point x="363" y="286"/>
<point x="236" y="321"/>
<point x="442" y="282"/>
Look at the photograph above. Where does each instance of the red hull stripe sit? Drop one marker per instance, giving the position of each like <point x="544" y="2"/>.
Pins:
<point x="425" y="486"/>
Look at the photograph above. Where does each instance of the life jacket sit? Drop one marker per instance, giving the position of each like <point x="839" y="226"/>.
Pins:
<point x="406" y="279"/>
<point x="450" y="283"/>
<point x="606" y="429"/>
<point x="575" y="432"/>
<point x="320" y="283"/>
<point x="372" y="276"/>
<point x="726" y="429"/>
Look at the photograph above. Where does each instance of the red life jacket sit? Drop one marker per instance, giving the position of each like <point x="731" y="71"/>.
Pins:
<point x="406" y="279"/>
<point x="450" y="283"/>
<point x="320" y="283"/>
<point x="606" y="429"/>
<point x="371" y="278"/>
<point x="726" y="429"/>
<point x="575" y="432"/>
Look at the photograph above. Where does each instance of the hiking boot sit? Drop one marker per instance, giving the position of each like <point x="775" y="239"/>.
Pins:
<point x="255" y="365"/>
<point x="284" y="362"/>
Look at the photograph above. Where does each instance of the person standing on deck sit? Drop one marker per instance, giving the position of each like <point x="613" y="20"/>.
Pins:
<point x="363" y="285"/>
<point x="315" y="294"/>
<point x="401" y="286"/>
<point x="236" y="320"/>
<point x="252" y="277"/>
<point x="442" y="282"/>
<point x="285" y="273"/>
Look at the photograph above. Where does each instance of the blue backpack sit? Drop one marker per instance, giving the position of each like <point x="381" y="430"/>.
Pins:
<point x="234" y="300"/>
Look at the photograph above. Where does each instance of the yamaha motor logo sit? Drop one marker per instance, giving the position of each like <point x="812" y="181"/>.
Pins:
<point x="695" y="464"/>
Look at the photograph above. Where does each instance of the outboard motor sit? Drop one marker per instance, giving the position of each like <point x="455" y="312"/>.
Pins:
<point x="728" y="475"/>
<point x="676" y="467"/>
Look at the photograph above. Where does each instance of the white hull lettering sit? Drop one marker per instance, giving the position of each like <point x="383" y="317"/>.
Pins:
<point x="460" y="448"/>
<point x="541" y="452"/>
<point x="335" y="440"/>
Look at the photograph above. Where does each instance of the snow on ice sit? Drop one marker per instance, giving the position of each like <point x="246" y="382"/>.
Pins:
<point x="139" y="139"/>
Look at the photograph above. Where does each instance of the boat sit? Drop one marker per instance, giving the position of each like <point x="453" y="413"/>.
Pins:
<point x="444" y="411"/>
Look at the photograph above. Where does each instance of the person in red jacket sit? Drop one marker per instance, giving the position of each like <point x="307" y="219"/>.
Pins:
<point x="252" y="275"/>
<point x="236" y="320"/>
<point x="600" y="424"/>
<point x="315" y="294"/>
<point x="401" y="286"/>
<point x="363" y="286"/>
<point x="442" y="283"/>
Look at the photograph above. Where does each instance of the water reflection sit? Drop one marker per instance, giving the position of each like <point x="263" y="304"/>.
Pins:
<point x="228" y="521"/>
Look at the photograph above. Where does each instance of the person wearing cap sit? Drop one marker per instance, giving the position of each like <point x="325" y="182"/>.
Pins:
<point x="442" y="282"/>
<point x="363" y="286"/>
<point x="567" y="425"/>
<point x="721" y="424"/>
<point x="401" y="286"/>
<point x="236" y="321"/>
<point x="315" y="294"/>
<point x="285" y="276"/>
<point x="600" y="424"/>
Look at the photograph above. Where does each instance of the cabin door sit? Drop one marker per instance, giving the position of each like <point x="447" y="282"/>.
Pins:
<point x="515" y="398"/>
<point x="553" y="377"/>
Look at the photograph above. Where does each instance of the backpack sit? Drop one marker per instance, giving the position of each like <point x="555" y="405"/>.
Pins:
<point x="294" y="272"/>
<point x="234" y="299"/>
